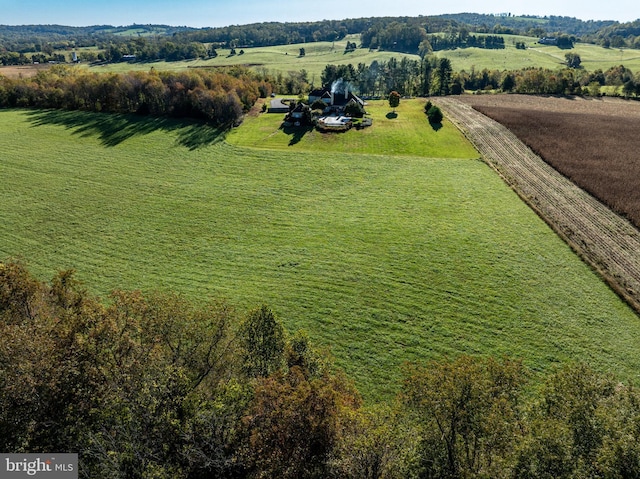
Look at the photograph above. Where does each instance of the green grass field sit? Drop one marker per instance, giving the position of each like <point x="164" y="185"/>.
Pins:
<point x="286" y="58"/>
<point x="381" y="258"/>
<point x="282" y="58"/>
<point x="545" y="56"/>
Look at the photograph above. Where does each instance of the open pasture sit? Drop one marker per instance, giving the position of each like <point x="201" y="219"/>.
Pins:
<point x="381" y="258"/>
<point x="593" y="142"/>
<point x="286" y="58"/>
<point x="280" y="58"/>
<point x="539" y="56"/>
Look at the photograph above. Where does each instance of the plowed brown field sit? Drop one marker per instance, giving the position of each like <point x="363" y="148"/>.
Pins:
<point x="609" y="242"/>
<point x="593" y="142"/>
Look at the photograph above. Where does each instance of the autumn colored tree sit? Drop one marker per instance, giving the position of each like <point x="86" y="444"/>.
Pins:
<point x="118" y="382"/>
<point x="18" y="293"/>
<point x="376" y="442"/>
<point x="218" y="98"/>
<point x="300" y="352"/>
<point x="294" y="423"/>
<point x="394" y="100"/>
<point x="152" y="385"/>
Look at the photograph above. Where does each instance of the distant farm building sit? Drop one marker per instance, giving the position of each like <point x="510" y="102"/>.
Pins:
<point x="548" y="41"/>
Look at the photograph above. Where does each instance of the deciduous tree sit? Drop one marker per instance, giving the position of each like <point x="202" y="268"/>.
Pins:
<point x="294" y="423"/>
<point x="572" y="60"/>
<point x="468" y="410"/>
<point x="262" y="339"/>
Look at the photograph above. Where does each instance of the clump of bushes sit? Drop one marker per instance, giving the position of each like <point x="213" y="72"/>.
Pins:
<point x="354" y="109"/>
<point x="318" y="105"/>
<point x="433" y="113"/>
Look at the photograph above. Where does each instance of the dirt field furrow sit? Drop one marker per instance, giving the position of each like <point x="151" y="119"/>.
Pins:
<point x="602" y="238"/>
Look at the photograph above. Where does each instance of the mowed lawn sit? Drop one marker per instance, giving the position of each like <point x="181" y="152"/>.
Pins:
<point x="404" y="130"/>
<point x="381" y="258"/>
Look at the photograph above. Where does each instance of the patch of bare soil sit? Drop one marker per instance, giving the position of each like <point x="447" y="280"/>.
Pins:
<point x="22" y="71"/>
<point x="604" y="105"/>
<point x="256" y="109"/>
<point x="606" y="240"/>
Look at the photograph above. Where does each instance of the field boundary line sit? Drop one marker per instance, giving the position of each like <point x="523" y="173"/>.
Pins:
<point x="603" y="239"/>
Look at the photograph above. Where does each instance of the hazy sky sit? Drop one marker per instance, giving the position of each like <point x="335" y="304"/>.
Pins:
<point x="203" y="13"/>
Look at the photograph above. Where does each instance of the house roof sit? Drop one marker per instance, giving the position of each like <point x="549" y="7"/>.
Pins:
<point x="318" y="92"/>
<point x="341" y="99"/>
<point x="338" y="98"/>
<point x="276" y="105"/>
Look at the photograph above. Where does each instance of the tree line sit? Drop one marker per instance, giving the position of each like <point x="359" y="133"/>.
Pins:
<point x="567" y="81"/>
<point x="429" y="76"/>
<point x="40" y="38"/>
<point x="463" y="39"/>
<point x="143" y="49"/>
<point x="533" y="25"/>
<point x="413" y="37"/>
<point x="223" y="97"/>
<point x="151" y="385"/>
<point x="620" y="35"/>
<point x="275" y="33"/>
<point x="220" y="98"/>
<point x="435" y="76"/>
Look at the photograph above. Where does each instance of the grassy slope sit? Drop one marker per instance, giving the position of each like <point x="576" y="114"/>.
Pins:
<point x="546" y="56"/>
<point x="283" y="58"/>
<point x="286" y="58"/>
<point x="381" y="258"/>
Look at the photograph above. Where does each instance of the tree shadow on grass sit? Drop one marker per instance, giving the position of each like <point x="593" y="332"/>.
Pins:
<point x="113" y="129"/>
<point x="436" y="126"/>
<point x="392" y="115"/>
<point x="296" y="133"/>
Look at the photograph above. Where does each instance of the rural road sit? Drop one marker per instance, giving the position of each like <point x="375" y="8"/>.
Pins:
<point x="605" y="240"/>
